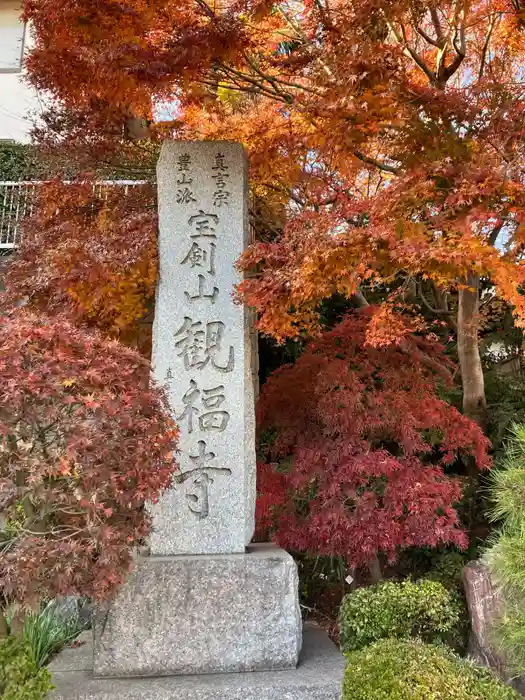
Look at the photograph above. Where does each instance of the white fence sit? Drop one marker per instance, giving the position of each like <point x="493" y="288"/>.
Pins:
<point x="17" y="201"/>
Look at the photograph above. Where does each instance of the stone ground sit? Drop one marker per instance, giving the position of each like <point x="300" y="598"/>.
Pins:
<point x="318" y="677"/>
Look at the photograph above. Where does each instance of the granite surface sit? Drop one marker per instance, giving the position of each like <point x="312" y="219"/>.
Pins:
<point x="317" y="677"/>
<point x="202" y="614"/>
<point x="203" y="349"/>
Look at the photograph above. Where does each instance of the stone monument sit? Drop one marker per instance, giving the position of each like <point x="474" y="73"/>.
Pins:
<point x="206" y="609"/>
<point x="202" y="350"/>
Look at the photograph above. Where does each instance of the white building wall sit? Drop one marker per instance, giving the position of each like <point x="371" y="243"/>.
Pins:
<point x="17" y="99"/>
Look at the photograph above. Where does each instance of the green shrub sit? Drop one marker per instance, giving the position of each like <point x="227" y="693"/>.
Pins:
<point x="447" y="568"/>
<point x="398" y="609"/>
<point x="505" y="403"/>
<point x="19" y="162"/>
<point x="20" y="678"/>
<point x="394" y="669"/>
<point x="506" y="555"/>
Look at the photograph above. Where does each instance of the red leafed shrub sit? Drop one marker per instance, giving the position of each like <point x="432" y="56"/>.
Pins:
<point x="354" y="440"/>
<point x="85" y="441"/>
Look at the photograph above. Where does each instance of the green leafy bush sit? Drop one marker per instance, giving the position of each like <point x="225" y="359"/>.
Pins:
<point x="20" y="678"/>
<point x="447" y="568"/>
<point x="394" y="669"/>
<point x="505" y="404"/>
<point x="398" y="609"/>
<point x="506" y="555"/>
<point x="19" y="162"/>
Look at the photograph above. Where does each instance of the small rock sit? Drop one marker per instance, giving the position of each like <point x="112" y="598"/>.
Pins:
<point x="71" y="607"/>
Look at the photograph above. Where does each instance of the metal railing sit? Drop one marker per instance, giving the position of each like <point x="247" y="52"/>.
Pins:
<point x="17" y="201"/>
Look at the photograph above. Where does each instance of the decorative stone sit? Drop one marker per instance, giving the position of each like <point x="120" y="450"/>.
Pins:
<point x="202" y="605"/>
<point x="72" y="610"/>
<point x="318" y="677"/>
<point x="484" y="604"/>
<point x="203" y="349"/>
<point x="203" y="614"/>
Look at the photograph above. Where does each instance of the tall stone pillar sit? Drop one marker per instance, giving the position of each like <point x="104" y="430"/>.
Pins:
<point x="206" y="608"/>
<point x="202" y="350"/>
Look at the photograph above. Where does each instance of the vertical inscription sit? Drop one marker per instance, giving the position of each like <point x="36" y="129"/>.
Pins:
<point x="221" y="195"/>
<point x="201" y="255"/>
<point x="198" y="495"/>
<point x="203" y="343"/>
<point x="208" y="420"/>
<point x="185" y="193"/>
<point x="201" y="350"/>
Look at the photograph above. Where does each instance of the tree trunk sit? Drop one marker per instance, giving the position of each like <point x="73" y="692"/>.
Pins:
<point x="474" y="402"/>
<point x="374" y="568"/>
<point x="4" y="629"/>
<point x="485" y="602"/>
<point x="17" y="622"/>
<point x="137" y="129"/>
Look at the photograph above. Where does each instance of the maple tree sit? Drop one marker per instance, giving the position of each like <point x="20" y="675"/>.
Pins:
<point x="85" y="442"/>
<point x="90" y="251"/>
<point x="388" y="134"/>
<point x="354" y="441"/>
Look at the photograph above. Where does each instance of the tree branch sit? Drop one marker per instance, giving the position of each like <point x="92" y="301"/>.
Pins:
<point x="437" y="25"/>
<point x="360" y="299"/>
<point x="376" y="163"/>
<point x="437" y="312"/>
<point x="495" y="232"/>
<point x="426" y="37"/>
<point x="486" y="43"/>
<point x="409" y="51"/>
<point x="207" y="9"/>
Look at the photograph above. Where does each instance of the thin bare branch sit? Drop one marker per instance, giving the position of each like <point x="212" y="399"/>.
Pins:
<point x="427" y="37"/>
<point x="437" y="312"/>
<point x="437" y="24"/>
<point x="493" y="21"/>
<point x="409" y="51"/>
<point x="495" y="232"/>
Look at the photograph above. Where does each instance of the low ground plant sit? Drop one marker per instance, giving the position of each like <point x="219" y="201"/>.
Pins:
<point x="49" y="630"/>
<point x="20" y="676"/>
<point x="409" y="669"/>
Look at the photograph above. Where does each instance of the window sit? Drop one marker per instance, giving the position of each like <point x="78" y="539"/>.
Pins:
<point x="12" y="32"/>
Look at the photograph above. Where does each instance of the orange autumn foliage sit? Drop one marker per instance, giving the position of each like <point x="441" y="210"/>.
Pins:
<point x="91" y="251"/>
<point x="408" y="113"/>
<point x="388" y="133"/>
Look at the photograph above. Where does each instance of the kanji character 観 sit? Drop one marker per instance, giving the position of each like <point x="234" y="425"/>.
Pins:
<point x="199" y="344"/>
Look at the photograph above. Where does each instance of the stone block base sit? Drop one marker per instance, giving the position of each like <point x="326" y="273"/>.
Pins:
<point x="195" y="614"/>
<point x="318" y="677"/>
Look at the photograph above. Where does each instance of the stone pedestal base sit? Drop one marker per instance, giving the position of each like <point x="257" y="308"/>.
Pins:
<point x="191" y="614"/>
<point x="318" y="677"/>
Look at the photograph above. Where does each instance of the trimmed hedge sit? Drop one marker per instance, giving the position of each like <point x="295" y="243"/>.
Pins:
<point x="19" y="161"/>
<point x="395" y="669"/>
<point x="424" y="609"/>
